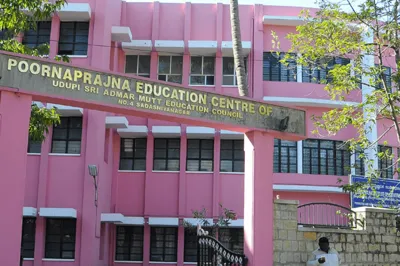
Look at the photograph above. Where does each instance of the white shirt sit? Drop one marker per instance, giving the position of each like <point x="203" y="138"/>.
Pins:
<point x="331" y="258"/>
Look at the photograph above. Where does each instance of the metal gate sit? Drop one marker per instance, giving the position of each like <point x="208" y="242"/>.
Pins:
<point x="210" y="252"/>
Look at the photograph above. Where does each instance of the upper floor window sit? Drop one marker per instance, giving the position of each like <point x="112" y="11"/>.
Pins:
<point x="164" y="244"/>
<point x="202" y="70"/>
<point x="73" y="38"/>
<point x="285" y="156"/>
<point x="232" y="238"/>
<point x="385" y="164"/>
<point x="133" y="154"/>
<point x="229" y="72"/>
<point x="166" y="154"/>
<point x="38" y="36"/>
<point x="170" y="68"/>
<point x="67" y="136"/>
<point x="28" y="237"/>
<point x="387" y="78"/>
<point x="34" y="146"/>
<point x="129" y="243"/>
<point x="359" y="163"/>
<point x="325" y="157"/>
<point x="200" y="154"/>
<point x="232" y="155"/>
<point x="60" y="238"/>
<point x="274" y="70"/>
<point x="138" y="65"/>
<point x="320" y="72"/>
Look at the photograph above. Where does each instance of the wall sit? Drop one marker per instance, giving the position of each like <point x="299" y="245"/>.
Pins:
<point x="377" y="243"/>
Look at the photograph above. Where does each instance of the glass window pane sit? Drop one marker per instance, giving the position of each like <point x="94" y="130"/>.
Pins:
<point x="164" y="64"/>
<point x="175" y="79"/>
<point x="196" y="65"/>
<point x="228" y="67"/>
<point x="131" y="64"/>
<point x="228" y="80"/>
<point x="208" y="67"/>
<point x="144" y="64"/>
<point x="197" y="80"/>
<point x="176" y="65"/>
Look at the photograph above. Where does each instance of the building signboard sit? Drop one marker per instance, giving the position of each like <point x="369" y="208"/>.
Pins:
<point x="384" y="193"/>
<point x="63" y="80"/>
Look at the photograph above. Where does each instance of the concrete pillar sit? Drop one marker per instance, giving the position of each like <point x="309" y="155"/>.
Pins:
<point x="258" y="198"/>
<point x="14" y="121"/>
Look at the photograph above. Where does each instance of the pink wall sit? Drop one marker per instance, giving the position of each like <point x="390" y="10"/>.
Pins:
<point x="63" y="181"/>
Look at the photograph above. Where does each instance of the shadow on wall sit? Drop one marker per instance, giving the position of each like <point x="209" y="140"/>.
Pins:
<point x="374" y="242"/>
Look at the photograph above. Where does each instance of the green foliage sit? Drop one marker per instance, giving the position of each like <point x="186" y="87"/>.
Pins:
<point x="224" y="219"/>
<point x="18" y="16"/>
<point x="342" y="30"/>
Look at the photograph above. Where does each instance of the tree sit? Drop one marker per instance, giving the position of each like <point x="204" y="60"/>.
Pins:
<point x="18" y="17"/>
<point x="357" y="34"/>
<point x="237" y="49"/>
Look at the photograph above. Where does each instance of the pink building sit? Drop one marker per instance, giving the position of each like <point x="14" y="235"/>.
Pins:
<point x="153" y="174"/>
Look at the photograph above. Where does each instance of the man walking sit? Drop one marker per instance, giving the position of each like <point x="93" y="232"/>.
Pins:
<point x="325" y="255"/>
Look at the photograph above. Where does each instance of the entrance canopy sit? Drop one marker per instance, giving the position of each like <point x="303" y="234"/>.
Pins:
<point x="61" y="83"/>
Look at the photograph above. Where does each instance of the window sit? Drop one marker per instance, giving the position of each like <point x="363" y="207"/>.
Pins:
<point x="285" y="156"/>
<point x="320" y="73"/>
<point x="166" y="154"/>
<point x="67" y="136"/>
<point x="28" y="237"/>
<point x="73" y="38"/>
<point x="5" y="35"/>
<point x="34" y="146"/>
<point x="385" y="164"/>
<point x="202" y="70"/>
<point x="200" y="154"/>
<point x="229" y="72"/>
<point x="60" y="238"/>
<point x="387" y="78"/>
<point x="138" y="65"/>
<point x="170" y="68"/>
<point x="163" y="244"/>
<point x="190" y="249"/>
<point x="129" y="243"/>
<point x="359" y="163"/>
<point x="133" y="154"/>
<point x="325" y="157"/>
<point x="232" y="156"/>
<point x="232" y="239"/>
<point x="38" y="36"/>
<point x="274" y="70"/>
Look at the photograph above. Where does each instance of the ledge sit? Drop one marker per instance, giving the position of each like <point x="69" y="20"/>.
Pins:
<point x="283" y="20"/>
<point x="308" y="102"/>
<point x="58" y="212"/>
<point x="303" y="188"/>
<point x="75" y="12"/>
<point x="331" y="230"/>
<point x="374" y="209"/>
<point x="133" y="132"/>
<point x="29" y="212"/>
<point x="170" y="47"/>
<point x="200" y="132"/>
<point x="227" y="134"/>
<point x="121" y="34"/>
<point x="164" y="221"/>
<point x="227" y="48"/>
<point x="112" y="218"/>
<point x="166" y="131"/>
<point x="202" y="48"/>
<point x="133" y="221"/>
<point x="288" y="202"/>
<point x="137" y="47"/>
<point x="116" y="122"/>
<point x="64" y="110"/>
<point x="195" y="221"/>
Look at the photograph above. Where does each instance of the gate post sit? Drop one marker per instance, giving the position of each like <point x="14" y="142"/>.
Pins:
<point x="15" y="111"/>
<point x="258" y="198"/>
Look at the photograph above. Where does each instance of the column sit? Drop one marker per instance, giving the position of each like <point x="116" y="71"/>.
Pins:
<point x="14" y="121"/>
<point x="258" y="198"/>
